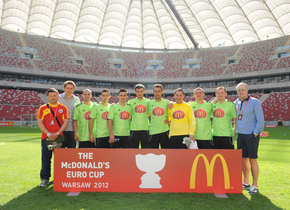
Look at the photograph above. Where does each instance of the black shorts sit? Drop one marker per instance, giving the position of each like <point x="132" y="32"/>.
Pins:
<point x="249" y="145"/>
<point x="204" y="144"/>
<point x="102" y="142"/>
<point x="122" y="143"/>
<point x="86" y="144"/>
<point x="69" y="140"/>
<point x="160" y="138"/>
<point x="175" y="142"/>
<point x="223" y="142"/>
<point x="136" y="137"/>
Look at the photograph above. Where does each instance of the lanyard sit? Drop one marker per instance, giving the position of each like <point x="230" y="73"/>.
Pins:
<point x="244" y="106"/>
<point x="51" y="115"/>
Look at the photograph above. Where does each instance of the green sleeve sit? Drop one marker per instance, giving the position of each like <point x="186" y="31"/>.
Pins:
<point x="76" y="114"/>
<point x="111" y="113"/>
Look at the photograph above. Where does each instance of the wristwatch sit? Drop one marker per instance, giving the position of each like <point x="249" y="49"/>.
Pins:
<point x="57" y="133"/>
<point x="48" y="134"/>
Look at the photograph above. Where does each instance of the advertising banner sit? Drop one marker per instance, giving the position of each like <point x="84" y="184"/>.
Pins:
<point x="4" y="123"/>
<point x="148" y="170"/>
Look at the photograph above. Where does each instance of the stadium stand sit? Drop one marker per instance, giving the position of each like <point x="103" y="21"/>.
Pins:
<point x="15" y="62"/>
<point x="97" y="60"/>
<point x="13" y="112"/>
<point x="283" y="63"/>
<point x="8" y="43"/>
<point x="49" y="50"/>
<point x="172" y="63"/>
<point x="136" y="64"/>
<point x="59" y="67"/>
<point x="255" y="56"/>
<point x="276" y="106"/>
<point x="19" y="97"/>
<point x="211" y="60"/>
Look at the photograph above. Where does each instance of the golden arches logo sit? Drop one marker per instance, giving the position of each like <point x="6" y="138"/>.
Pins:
<point x="209" y="167"/>
<point x="158" y="111"/>
<point x="200" y="113"/>
<point x="124" y="115"/>
<point x="140" y="108"/>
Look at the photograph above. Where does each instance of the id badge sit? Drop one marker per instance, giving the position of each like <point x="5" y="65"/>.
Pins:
<point x="52" y="122"/>
<point x="240" y="117"/>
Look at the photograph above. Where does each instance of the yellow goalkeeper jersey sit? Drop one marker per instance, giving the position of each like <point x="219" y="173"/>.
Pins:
<point x="182" y="120"/>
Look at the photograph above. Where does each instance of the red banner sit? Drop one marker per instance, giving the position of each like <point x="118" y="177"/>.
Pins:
<point x="6" y="123"/>
<point x="148" y="170"/>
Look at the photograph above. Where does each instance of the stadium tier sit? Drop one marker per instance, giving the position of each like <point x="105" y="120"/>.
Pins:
<point x="13" y="112"/>
<point x="97" y="62"/>
<point x="19" y="97"/>
<point x="255" y="56"/>
<point x="49" y="50"/>
<point x="276" y="106"/>
<point x="59" y="67"/>
<point x="17" y="102"/>
<point x="59" y="56"/>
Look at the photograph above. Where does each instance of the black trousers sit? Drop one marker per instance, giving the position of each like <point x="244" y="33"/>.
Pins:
<point x="136" y="137"/>
<point x="160" y="138"/>
<point x="175" y="142"/>
<point x="69" y="140"/>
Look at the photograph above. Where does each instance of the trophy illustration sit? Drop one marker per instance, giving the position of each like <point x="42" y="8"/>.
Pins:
<point x="150" y="164"/>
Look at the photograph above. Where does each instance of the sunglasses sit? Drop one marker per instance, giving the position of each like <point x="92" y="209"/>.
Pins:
<point x="239" y="90"/>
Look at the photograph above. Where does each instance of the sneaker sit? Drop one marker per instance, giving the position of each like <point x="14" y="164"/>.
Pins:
<point x="253" y="190"/>
<point x="246" y="186"/>
<point x="43" y="183"/>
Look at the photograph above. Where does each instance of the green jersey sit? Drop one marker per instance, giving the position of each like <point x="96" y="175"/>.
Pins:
<point x="82" y="114"/>
<point x="222" y="114"/>
<point x="100" y="114"/>
<point x="140" y="120"/>
<point x="121" y="119"/>
<point x="158" y="114"/>
<point x="202" y="113"/>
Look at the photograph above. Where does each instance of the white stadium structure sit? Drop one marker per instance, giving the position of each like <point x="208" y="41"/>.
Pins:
<point x="118" y="43"/>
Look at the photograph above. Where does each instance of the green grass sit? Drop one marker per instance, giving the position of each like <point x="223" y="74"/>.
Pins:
<point x="19" y="180"/>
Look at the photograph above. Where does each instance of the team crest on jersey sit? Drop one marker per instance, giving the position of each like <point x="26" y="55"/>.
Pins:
<point x="124" y="115"/>
<point x="158" y="111"/>
<point x="105" y="115"/>
<point x="87" y="115"/>
<point x="218" y="113"/>
<point x="140" y="108"/>
<point x="178" y="115"/>
<point x="200" y="113"/>
<point x="60" y="111"/>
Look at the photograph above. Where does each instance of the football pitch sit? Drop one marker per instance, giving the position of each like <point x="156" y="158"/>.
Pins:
<point x="20" y="154"/>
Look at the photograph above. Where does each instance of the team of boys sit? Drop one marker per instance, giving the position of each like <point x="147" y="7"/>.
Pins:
<point x="153" y="122"/>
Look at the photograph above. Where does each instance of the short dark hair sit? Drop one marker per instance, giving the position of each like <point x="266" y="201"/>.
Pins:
<point x="220" y="88"/>
<point x="179" y="89"/>
<point x="158" y="86"/>
<point x="105" y="91"/>
<point x="139" y="86"/>
<point x="122" y="90"/>
<point x="52" y="90"/>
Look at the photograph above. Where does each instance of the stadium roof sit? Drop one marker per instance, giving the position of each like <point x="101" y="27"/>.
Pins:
<point x="158" y="24"/>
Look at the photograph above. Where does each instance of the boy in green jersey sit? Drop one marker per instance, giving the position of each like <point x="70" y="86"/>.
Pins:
<point x="158" y="129"/>
<point x="223" y="113"/>
<point x="81" y="119"/>
<point x="99" y="117"/>
<point x="140" y="124"/>
<point x="119" y="121"/>
<point x="202" y="112"/>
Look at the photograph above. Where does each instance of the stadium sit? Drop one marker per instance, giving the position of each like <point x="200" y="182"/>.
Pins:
<point x="117" y="44"/>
